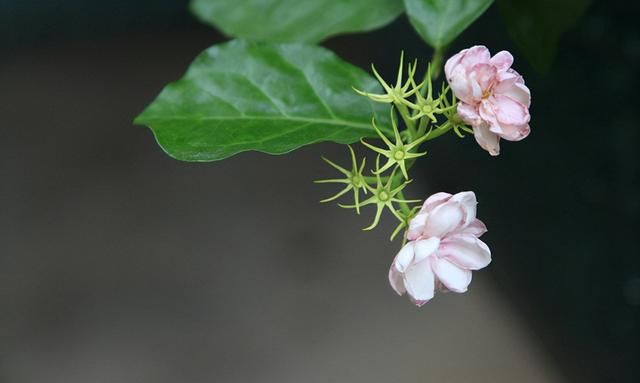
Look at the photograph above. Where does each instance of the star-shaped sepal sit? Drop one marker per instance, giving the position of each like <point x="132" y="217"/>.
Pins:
<point x="453" y="120"/>
<point x="353" y="179"/>
<point x="384" y="195"/>
<point x="396" y="153"/>
<point x="426" y="105"/>
<point x="397" y="93"/>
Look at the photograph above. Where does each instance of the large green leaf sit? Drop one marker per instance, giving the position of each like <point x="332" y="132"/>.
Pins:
<point x="242" y="96"/>
<point x="295" y="20"/>
<point x="536" y="26"/>
<point x="439" y="22"/>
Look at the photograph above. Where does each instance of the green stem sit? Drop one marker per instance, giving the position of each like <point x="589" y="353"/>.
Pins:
<point x="403" y="205"/>
<point x="404" y="112"/>
<point x="436" y="62"/>
<point x="439" y="132"/>
<point x="422" y="128"/>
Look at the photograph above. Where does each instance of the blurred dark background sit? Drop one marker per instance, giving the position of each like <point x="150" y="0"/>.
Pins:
<point x="118" y="264"/>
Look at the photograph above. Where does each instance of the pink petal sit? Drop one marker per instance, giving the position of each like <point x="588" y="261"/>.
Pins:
<point x="453" y="277"/>
<point x="481" y="78"/>
<point x="515" y="89"/>
<point x="509" y="111"/>
<point x="435" y="200"/>
<point x="416" y="226"/>
<point x="424" y="248"/>
<point x="419" y="282"/>
<point x="466" y="251"/>
<point x="475" y="55"/>
<point x="404" y="259"/>
<point x="487" y="140"/>
<point x="475" y="228"/>
<point x="488" y="115"/>
<point x="458" y="68"/>
<point x="461" y="86"/>
<point x="453" y="62"/>
<point x="514" y="132"/>
<point x="444" y="219"/>
<point x="502" y="60"/>
<point x="396" y="281"/>
<point x="466" y="58"/>
<point x="468" y="202"/>
<point x="469" y="114"/>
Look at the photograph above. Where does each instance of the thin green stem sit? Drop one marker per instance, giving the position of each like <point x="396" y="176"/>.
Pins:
<point x="422" y="128"/>
<point x="436" y="62"/>
<point x="403" y="205"/>
<point x="435" y="133"/>
<point x="406" y="117"/>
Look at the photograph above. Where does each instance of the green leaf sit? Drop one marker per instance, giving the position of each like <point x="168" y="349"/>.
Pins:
<point x="536" y="26"/>
<point x="295" y="20"/>
<point x="242" y="96"/>
<point x="439" y="22"/>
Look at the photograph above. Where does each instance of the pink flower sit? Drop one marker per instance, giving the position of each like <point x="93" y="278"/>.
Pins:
<point x="493" y="97"/>
<point x="442" y="250"/>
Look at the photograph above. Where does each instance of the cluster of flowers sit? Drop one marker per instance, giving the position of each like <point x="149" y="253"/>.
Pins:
<point x="441" y="247"/>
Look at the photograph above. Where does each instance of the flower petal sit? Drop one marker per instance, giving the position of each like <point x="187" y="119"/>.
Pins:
<point x="425" y="247"/>
<point x="453" y="277"/>
<point x="467" y="58"/>
<point x="416" y="226"/>
<point x="435" y="200"/>
<point x="396" y="281"/>
<point x="488" y="115"/>
<point x="419" y="282"/>
<point x="487" y="140"/>
<point x="502" y="60"/>
<point x="466" y="251"/>
<point x="444" y="219"/>
<point x="458" y="68"/>
<point x="509" y="111"/>
<point x="404" y="258"/>
<point x="453" y="62"/>
<point x="468" y="202"/>
<point x="475" y="228"/>
<point x="475" y="55"/>
<point x="481" y="77"/>
<point x="514" y="132"/>
<point x="461" y="86"/>
<point x="514" y="88"/>
<point x="469" y="114"/>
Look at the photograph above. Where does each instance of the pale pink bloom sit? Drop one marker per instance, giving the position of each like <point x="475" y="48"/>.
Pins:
<point x="493" y="97"/>
<point x="442" y="250"/>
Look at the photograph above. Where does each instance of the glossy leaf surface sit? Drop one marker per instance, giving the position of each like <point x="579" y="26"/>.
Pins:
<point x="243" y="96"/>
<point x="439" y="22"/>
<point x="295" y="20"/>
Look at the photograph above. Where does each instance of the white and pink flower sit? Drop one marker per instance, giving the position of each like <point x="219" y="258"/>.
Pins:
<point x="493" y="97"/>
<point x="443" y="248"/>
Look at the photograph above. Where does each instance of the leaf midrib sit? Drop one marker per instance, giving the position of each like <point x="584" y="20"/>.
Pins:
<point x="252" y="117"/>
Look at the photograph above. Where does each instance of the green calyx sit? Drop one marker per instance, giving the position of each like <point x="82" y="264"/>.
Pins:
<point x="383" y="195"/>
<point x="404" y="218"/>
<point x="397" y="153"/>
<point x="397" y="93"/>
<point x="427" y="106"/>
<point x="354" y="180"/>
<point x="453" y="120"/>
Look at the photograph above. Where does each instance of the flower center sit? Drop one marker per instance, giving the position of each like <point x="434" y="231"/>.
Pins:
<point x="383" y="196"/>
<point x="398" y="155"/>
